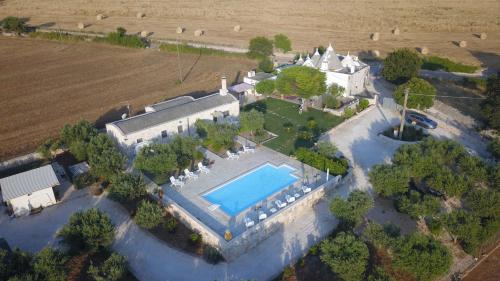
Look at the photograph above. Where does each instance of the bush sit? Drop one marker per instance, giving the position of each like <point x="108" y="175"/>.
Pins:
<point x="416" y="204"/>
<point x="489" y="107"/>
<point x="439" y="63"/>
<point x="120" y="38"/>
<point x="363" y="104"/>
<point x="195" y="238"/>
<point x="127" y="187"/>
<point x="265" y="87"/>
<point x="326" y="149"/>
<point x="171" y="225"/>
<point x="381" y="236"/>
<point x="474" y="83"/>
<point x="494" y="148"/>
<point x="251" y="121"/>
<point x="348" y="113"/>
<point x="103" y="157"/>
<point x="13" y="24"/>
<point x="57" y="36"/>
<point x="303" y="81"/>
<point x="288" y="273"/>
<point x="156" y="159"/>
<point x="421" y="95"/>
<point x="389" y="180"/>
<point x="266" y="65"/>
<point x="353" y="209"/>
<point x="149" y="215"/>
<point x="212" y="255"/>
<point x="260" y="47"/>
<point x="401" y="65"/>
<point x="218" y="136"/>
<point x="46" y="149"/>
<point x="336" y="90"/>
<point x="282" y="42"/>
<point x="320" y="162"/>
<point x="84" y="180"/>
<point x="113" y="269"/>
<point x="434" y="224"/>
<point x="186" y="49"/>
<point x="48" y="264"/>
<point x="331" y="101"/>
<point x="88" y="230"/>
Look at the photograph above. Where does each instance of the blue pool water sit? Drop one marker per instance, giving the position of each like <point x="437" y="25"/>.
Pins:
<point x="251" y="188"/>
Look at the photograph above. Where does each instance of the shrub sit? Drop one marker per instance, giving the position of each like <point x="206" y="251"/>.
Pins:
<point x="336" y="90"/>
<point x="218" y="136"/>
<point x="46" y="149"/>
<point x="260" y="47"/>
<point x="13" y="24"/>
<point x="58" y="36"/>
<point x="326" y="149"/>
<point x="288" y="272"/>
<point x="348" y="113"/>
<point x="251" y="121"/>
<point x="421" y="94"/>
<point x="401" y="65"/>
<point x="489" y="107"/>
<point x="79" y="150"/>
<point x="381" y="236"/>
<point x="363" y="104"/>
<point x="156" y="159"/>
<point x="186" y="49"/>
<point x="84" y="180"/>
<point x="316" y="160"/>
<point x="416" y="204"/>
<point x="195" y="238"/>
<point x="314" y="250"/>
<point x="114" y="268"/>
<point x="103" y="157"/>
<point x="439" y="63"/>
<point x="265" y="87"/>
<point x="88" y="230"/>
<point x="303" y="81"/>
<point x="331" y="101"/>
<point x="434" y="224"/>
<point x="120" y="38"/>
<point x="171" y="225"/>
<point x="288" y="126"/>
<point x="149" y="215"/>
<point x="474" y="83"/>
<point x="494" y="148"/>
<point x="48" y="264"/>
<point x="282" y="42"/>
<point x="389" y="180"/>
<point x="212" y="255"/>
<point x="127" y="187"/>
<point x="266" y="65"/>
<point x="353" y="209"/>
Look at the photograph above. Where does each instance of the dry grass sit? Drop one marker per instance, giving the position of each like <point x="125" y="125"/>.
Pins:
<point x="46" y="84"/>
<point x="432" y="23"/>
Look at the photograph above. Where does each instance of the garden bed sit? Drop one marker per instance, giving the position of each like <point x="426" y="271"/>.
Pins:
<point x="410" y="133"/>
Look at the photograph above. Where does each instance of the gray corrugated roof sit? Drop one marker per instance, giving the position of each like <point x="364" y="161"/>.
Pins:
<point x="146" y="120"/>
<point x="28" y="182"/>
<point x="171" y="103"/>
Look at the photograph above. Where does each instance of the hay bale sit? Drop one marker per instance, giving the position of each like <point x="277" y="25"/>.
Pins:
<point x="81" y="25"/>
<point x="396" y="31"/>
<point x="375" y="53"/>
<point x="424" y="50"/>
<point x="237" y="28"/>
<point x="198" y="32"/>
<point x="483" y="36"/>
<point x="99" y="17"/>
<point x="144" y="34"/>
<point x="140" y="15"/>
<point x="462" y="44"/>
<point x="375" y="36"/>
<point x="179" y="30"/>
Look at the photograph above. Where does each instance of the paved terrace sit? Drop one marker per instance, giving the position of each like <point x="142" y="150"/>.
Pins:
<point x="223" y="170"/>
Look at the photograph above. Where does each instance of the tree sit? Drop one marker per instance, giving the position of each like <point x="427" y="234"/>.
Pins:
<point x="48" y="264"/>
<point x="149" y="215"/>
<point x="79" y="150"/>
<point x="265" y="87"/>
<point x="218" y="136"/>
<point x="14" y="263"/>
<point x="282" y="42"/>
<point x="88" y="230"/>
<point x="346" y="255"/>
<point x="305" y="82"/>
<point x="401" y="65"/>
<point x="389" y="180"/>
<point x="121" y="31"/>
<point x="156" y="159"/>
<point x="379" y="274"/>
<point x="127" y="187"/>
<point x="484" y="202"/>
<point x="353" y="209"/>
<point x="251" y="121"/>
<point x="326" y="149"/>
<point x="494" y="148"/>
<point x="260" y="47"/>
<point x="77" y="137"/>
<point x="103" y="157"/>
<point x="184" y="149"/>
<point x="447" y="182"/>
<point x="336" y="90"/>
<point x="416" y="204"/>
<point x="13" y="24"/>
<point x="421" y="94"/>
<point x="114" y="268"/>
<point x="266" y="65"/>
<point x="489" y="107"/>
<point x="465" y="228"/>
<point x="422" y="256"/>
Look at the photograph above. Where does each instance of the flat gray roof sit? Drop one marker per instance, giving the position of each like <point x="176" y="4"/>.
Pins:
<point x="172" y="110"/>
<point x="28" y="182"/>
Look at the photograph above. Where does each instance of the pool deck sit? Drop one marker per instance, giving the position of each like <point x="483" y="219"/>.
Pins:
<point x="223" y="170"/>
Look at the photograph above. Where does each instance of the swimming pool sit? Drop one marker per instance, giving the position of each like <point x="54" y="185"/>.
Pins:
<point x="251" y="188"/>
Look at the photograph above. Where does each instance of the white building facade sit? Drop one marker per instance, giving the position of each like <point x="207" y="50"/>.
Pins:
<point x="164" y="120"/>
<point x="346" y="71"/>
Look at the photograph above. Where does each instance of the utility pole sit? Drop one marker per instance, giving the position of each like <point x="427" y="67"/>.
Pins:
<point x="402" y="125"/>
<point x="179" y="61"/>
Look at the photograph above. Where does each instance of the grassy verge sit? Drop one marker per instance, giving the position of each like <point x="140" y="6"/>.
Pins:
<point x="440" y="63"/>
<point x="58" y="36"/>
<point x="186" y="49"/>
<point x="113" y="38"/>
<point x="294" y="130"/>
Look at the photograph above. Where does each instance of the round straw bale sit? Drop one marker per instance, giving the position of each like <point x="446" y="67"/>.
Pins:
<point x="198" y="32"/>
<point x="462" y="44"/>
<point x="424" y="50"/>
<point x="375" y="53"/>
<point x="237" y="28"/>
<point x="483" y="36"/>
<point x="396" y="31"/>
<point x="81" y="25"/>
<point x="99" y="17"/>
<point x="144" y="33"/>
<point x="179" y="30"/>
<point x="375" y="36"/>
<point x="140" y="15"/>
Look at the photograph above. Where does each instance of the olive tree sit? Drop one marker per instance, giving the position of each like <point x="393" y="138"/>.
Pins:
<point x="265" y="87"/>
<point x="353" y="209"/>
<point x="282" y="42"/>
<point x="127" y="187"/>
<point x="421" y="93"/>
<point x="389" y="180"/>
<point x="156" y="159"/>
<point x="113" y="268"/>
<point x="260" y="47"/>
<point x="401" y="65"/>
<point x="251" y="121"/>
<point x="305" y="82"/>
<point x="103" y="157"/>
<point x="149" y="215"/>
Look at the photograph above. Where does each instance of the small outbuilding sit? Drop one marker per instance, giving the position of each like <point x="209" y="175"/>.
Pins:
<point x="29" y="190"/>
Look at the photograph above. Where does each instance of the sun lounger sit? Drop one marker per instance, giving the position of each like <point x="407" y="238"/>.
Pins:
<point x="306" y="189"/>
<point x="249" y="222"/>
<point x="280" y="204"/>
<point x="290" y="199"/>
<point x="248" y="149"/>
<point x="203" y="168"/>
<point x="231" y="155"/>
<point x="262" y="216"/>
<point x="296" y="195"/>
<point x="176" y="182"/>
<point x="273" y="210"/>
<point x="189" y="174"/>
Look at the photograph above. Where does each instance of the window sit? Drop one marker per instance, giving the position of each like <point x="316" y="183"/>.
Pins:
<point x="225" y="113"/>
<point x="139" y="140"/>
<point x="179" y="129"/>
<point x="164" y="134"/>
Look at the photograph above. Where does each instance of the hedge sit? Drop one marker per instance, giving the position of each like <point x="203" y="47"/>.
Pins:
<point x="337" y="166"/>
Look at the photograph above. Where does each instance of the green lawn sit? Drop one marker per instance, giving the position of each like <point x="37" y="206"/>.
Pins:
<point x="310" y="124"/>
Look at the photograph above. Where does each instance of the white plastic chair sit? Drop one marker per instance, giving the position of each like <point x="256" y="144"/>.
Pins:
<point x="203" y="168"/>
<point x="189" y="174"/>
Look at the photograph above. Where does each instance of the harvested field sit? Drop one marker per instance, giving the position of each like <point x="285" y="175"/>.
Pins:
<point x="488" y="270"/>
<point x="46" y="84"/>
<point x="439" y="25"/>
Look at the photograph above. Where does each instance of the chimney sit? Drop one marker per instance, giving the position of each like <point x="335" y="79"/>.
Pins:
<point x="353" y="69"/>
<point x="223" y="89"/>
<point x="250" y="74"/>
